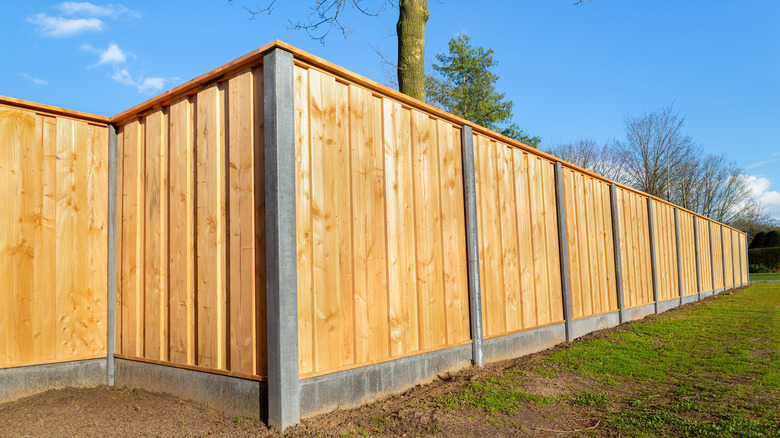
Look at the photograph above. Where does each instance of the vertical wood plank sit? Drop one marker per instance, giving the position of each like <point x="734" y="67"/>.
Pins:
<point x="528" y="217"/>
<point x="368" y="221"/>
<point x="46" y="259"/>
<point x="507" y="213"/>
<point x="241" y="175"/>
<point x="181" y="266"/>
<point x="303" y="222"/>
<point x="402" y="275"/>
<point x="553" y="251"/>
<point x="428" y="231"/>
<point x="453" y="230"/>
<point x="97" y="237"/>
<point x="65" y="223"/>
<point x="154" y="278"/>
<point x="210" y="228"/>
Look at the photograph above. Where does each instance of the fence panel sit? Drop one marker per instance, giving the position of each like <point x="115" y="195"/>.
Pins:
<point x="728" y="252"/>
<point x="717" y="256"/>
<point x="634" y="248"/>
<point x="191" y="251"/>
<point x="589" y="240"/>
<point x="518" y="238"/>
<point x="705" y="254"/>
<point x="666" y="251"/>
<point x="688" y="252"/>
<point x="381" y="252"/>
<point x="53" y="237"/>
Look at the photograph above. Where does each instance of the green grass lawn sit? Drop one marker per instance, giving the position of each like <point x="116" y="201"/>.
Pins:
<point x="765" y="276"/>
<point x="711" y="369"/>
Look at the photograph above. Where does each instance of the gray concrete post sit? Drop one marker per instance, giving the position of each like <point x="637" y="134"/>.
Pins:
<point x="616" y="249"/>
<point x="111" y="261"/>
<point x="472" y="244"/>
<point x="282" y="287"/>
<point x="653" y="262"/>
<point x="723" y="256"/>
<point x="696" y="254"/>
<point x="679" y="252"/>
<point x="712" y="257"/>
<point x="563" y="248"/>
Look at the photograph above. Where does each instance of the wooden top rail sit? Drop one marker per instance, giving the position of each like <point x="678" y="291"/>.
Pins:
<point x="53" y="110"/>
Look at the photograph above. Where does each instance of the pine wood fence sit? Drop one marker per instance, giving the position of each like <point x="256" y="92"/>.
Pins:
<point x="381" y="247"/>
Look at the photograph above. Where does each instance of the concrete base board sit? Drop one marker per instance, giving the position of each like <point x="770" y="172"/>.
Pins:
<point x="581" y="327"/>
<point x="232" y="395"/>
<point x="663" y="306"/>
<point x="24" y="381"/>
<point x="640" y="312"/>
<point x="690" y="299"/>
<point x="717" y="291"/>
<point x="522" y="343"/>
<point x="358" y="386"/>
<point x="706" y="294"/>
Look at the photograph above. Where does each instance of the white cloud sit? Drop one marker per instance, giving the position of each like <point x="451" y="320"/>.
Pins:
<point x="59" y="27"/>
<point x="92" y="10"/>
<point x="143" y="85"/>
<point x="760" y="188"/>
<point x="112" y="55"/>
<point x="33" y="79"/>
<point x="761" y="163"/>
<point x="81" y="17"/>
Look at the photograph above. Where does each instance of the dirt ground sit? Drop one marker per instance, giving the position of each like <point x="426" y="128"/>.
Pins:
<point x="104" y="411"/>
<point x="120" y="412"/>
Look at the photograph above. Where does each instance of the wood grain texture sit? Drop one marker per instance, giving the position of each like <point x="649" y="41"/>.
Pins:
<point x="192" y="250"/>
<point x="635" y="248"/>
<point x="688" y="252"/>
<point x="53" y="240"/>
<point x="705" y="254"/>
<point x="518" y="233"/>
<point x="381" y="259"/>
<point x="181" y="233"/>
<point x="717" y="257"/>
<point x="589" y="232"/>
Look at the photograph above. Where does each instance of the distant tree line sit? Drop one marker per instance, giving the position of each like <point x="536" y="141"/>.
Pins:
<point x="657" y="157"/>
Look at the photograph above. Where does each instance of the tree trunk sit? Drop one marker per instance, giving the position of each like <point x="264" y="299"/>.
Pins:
<point x="413" y="14"/>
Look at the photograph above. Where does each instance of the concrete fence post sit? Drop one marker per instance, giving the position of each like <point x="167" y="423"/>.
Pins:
<point x="696" y="254"/>
<point x="472" y="244"/>
<point x="563" y="248"/>
<point x="723" y="256"/>
<point x="679" y="253"/>
<point x="111" y="259"/>
<point x="282" y="287"/>
<point x="616" y="249"/>
<point x="653" y="260"/>
<point x="712" y="257"/>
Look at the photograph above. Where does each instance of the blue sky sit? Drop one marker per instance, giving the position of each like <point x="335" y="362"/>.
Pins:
<point x="573" y="72"/>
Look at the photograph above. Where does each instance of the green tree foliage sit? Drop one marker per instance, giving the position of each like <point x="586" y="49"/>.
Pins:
<point x="464" y="86"/>
<point x="758" y="241"/>
<point x="772" y="239"/>
<point x="769" y="239"/>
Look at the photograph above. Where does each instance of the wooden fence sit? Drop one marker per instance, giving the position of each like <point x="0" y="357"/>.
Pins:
<point x="519" y="260"/>
<point x="190" y="247"/>
<point x="53" y="234"/>
<point x="382" y="263"/>
<point x="380" y="226"/>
